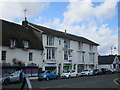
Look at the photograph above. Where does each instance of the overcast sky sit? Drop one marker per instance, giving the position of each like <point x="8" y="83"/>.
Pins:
<point x="97" y="21"/>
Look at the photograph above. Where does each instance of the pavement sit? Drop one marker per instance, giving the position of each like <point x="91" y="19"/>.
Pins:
<point x="33" y="78"/>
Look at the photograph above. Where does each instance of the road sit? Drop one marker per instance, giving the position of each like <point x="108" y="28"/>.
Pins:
<point x="100" y="81"/>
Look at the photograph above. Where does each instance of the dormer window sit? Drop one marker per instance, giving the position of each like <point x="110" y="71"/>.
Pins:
<point x="26" y="43"/>
<point x="12" y="42"/>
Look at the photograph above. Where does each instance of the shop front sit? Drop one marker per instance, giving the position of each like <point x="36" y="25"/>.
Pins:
<point x="80" y="68"/>
<point x="67" y="67"/>
<point x="50" y="66"/>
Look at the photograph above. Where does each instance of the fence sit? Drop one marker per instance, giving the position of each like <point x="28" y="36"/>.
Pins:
<point x="28" y="70"/>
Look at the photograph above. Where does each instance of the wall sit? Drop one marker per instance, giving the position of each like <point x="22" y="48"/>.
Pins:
<point x="74" y="47"/>
<point x="23" y="55"/>
<point x="104" y="66"/>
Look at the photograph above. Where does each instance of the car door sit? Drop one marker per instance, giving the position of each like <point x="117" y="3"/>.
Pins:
<point x="14" y="76"/>
<point x="73" y="74"/>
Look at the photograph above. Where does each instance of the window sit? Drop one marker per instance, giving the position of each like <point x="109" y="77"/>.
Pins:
<point x="12" y="42"/>
<point x="67" y="55"/>
<point x="3" y="55"/>
<point x="30" y="56"/>
<point x="50" y="40"/>
<point x="81" y="57"/>
<point x="80" y="46"/>
<point x="66" y="43"/>
<point x="91" y="47"/>
<point x="92" y="57"/>
<point x="26" y="43"/>
<point x="59" y="41"/>
<point x="50" y="53"/>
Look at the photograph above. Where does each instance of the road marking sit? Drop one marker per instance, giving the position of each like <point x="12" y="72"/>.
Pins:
<point x="116" y="82"/>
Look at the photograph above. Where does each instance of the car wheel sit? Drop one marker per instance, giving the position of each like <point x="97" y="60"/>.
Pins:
<point x="56" y="77"/>
<point x="76" y="75"/>
<point x="6" y="81"/>
<point x="39" y="79"/>
<point x="47" y="78"/>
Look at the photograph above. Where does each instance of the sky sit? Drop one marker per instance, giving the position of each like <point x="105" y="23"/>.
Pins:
<point x="92" y="19"/>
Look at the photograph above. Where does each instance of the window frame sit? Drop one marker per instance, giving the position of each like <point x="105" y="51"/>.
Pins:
<point x="12" y="42"/>
<point x="26" y="43"/>
<point x="66" y="43"/>
<point x="30" y="56"/>
<point x="50" y="40"/>
<point x="3" y="55"/>
<point x="50" y="53"/>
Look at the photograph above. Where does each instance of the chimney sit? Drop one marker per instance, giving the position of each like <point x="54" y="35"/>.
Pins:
<point x="65" y="32"/>
<point x="25" y="23"/>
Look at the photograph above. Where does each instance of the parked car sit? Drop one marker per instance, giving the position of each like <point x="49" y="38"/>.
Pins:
<point x="86" y="72"/>
<point x="105" y="70"/>
<point x="69" y="73"/>
<point x="14" y="77"/>
<point x="118" y="70"/>
<point x="112" y="70"/>
<point x="47" y="74"/>
<point x="97" y="72"/>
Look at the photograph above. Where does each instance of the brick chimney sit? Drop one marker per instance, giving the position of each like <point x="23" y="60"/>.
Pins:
<point x="25" y="23"/>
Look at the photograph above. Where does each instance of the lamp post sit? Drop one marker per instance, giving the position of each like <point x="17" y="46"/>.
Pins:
<point x="112" y="49"/>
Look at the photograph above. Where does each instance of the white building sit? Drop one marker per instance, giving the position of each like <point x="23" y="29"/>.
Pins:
<point x="62" y="51"/>
<point x="20" y="44"/>
<point x="109" y="61"/>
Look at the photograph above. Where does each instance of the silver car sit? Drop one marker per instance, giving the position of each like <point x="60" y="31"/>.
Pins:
<point x="86" y="72"/>
<point x="14" y="77"/>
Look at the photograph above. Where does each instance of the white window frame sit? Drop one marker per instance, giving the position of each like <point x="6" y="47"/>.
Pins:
<point x="50" y="53"/>
<point x="67" y="53"/>
<point x="91" y="47"/>
<point x="50" y="40"/>
<point x="82" y="57"/>
<point x="92" y="57"/>
<point x="66" y="43"/>
<point x="80" y="46"/>
<point x="26" y="43"/>
<point x="12" y="42"/>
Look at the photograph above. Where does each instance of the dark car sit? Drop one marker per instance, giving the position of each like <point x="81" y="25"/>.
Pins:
<point x="97" y="72"/>
<point x="105" y="70"/>
<point x="47" y="74"/>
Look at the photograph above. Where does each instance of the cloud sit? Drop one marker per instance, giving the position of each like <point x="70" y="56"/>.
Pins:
<point x="13" y="10"/>
<point x="84" y="11"/>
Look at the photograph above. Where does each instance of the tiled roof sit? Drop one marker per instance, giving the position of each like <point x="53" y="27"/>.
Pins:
<point x="108" y="59"/>
<point x="57" y="33"/>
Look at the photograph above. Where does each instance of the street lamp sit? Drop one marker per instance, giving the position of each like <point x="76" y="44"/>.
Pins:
<point x="112" y="49"/>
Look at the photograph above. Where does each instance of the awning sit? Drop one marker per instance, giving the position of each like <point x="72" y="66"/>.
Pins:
<point x="50" y="65"/>
<point x="67" y="64"/>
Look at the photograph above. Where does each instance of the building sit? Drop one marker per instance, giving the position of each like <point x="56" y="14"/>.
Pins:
<point x="58" y="50"/>
<point x="20" y="44"/>
<point x="109" y="61"/>
<point x="63" y="51"/>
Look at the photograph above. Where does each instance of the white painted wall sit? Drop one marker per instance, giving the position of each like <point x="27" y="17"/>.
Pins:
<point x="104" y="66"/>
<point x="74" y="47"/>
<point x="23" y="55"/>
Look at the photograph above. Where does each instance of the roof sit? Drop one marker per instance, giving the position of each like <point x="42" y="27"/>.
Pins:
<point x="57" y="33"/>
<point x="15" y="31"/>
<point x="108" y="59"/>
